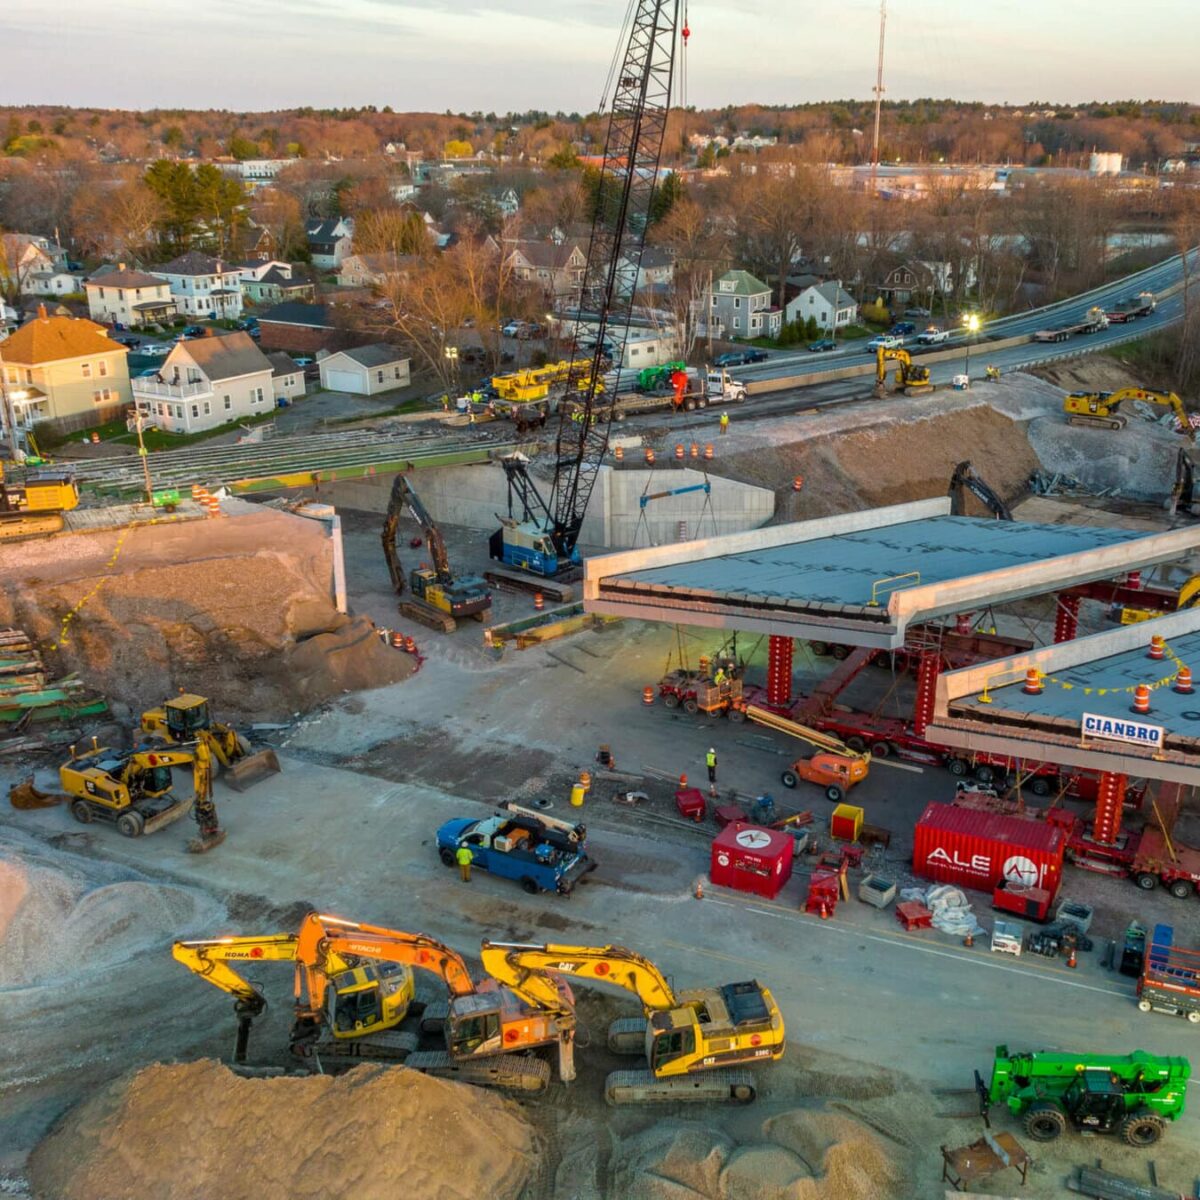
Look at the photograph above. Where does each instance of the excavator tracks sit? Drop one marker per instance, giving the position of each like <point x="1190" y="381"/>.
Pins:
<point x="433" y="1019"/>
<point x="389" y="1046"/>
<point x="514" y="1072"/>
<point x="710" y="1087"/>
<point x="627" y="1035"/>
<point x="1097" y="422"/>
<point x="427" y="615"/>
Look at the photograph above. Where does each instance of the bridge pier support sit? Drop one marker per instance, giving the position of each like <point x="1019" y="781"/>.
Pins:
<point x="779" y="671"/>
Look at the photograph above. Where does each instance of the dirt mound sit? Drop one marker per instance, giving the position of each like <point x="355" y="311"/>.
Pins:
<point x="239" y="609"/>
<point x="196" y="1131"/>
<point x="1093" y="373"/>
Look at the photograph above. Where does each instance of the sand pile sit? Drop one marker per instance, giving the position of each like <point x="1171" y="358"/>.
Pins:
<point x="239" y="609"/>
<point x="196" y="1131"/>
<point x="54" y="919"/>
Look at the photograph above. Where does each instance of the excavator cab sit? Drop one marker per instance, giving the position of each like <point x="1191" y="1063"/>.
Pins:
<point x="186" y="715"/>
<point x="474" y="1027"/>
<point x="666" y="1042"/>
<point x="369" y="998"/>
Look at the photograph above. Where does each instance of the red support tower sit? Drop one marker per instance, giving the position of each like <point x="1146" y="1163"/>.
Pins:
<point x="779" y="672"/>
<point x="1110" y="800"/>
<point x="928" y="670"/>
<point x="1066" y="619"/>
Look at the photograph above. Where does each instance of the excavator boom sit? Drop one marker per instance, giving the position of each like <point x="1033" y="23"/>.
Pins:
<point x="1100" y="409"/>
<point x="210" y="959"/>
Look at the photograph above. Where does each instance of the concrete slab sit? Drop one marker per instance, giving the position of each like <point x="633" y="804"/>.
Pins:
<point x="987" y="708"/>
<point x="864" y="577"/>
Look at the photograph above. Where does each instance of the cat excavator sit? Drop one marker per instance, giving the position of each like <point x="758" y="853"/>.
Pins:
<point x="689" y="1038"/>
<point x="438" y="600"/>
<point x="354" y="987"/>
<point x="1100" y="409"/>
<point x="34" y="508"/>
<point x="911" y="379"/>
<point x="967" y="479"/>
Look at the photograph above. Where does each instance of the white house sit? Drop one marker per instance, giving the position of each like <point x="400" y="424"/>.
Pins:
<point x="365" y="370"/>
<point x="133" y="298"/>
<point x="53" y="282"/>
<point x="287" y="376"/>
<point x="329" y="241"/>
<point x="24" y="255"/>
<point x="203" y="286"/>
<point x="206" y="382"/>
<point x="831" y="305"/>
<point x="743" y="306"/>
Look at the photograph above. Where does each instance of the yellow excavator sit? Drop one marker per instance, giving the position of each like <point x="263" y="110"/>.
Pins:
<point x="34" y="508"/>
<point x="911" y="379"/>
<point x="188" y="718"/>
<point x="689" y="1039"/>
<point x="1100" y="409"/>
<point x="354" y="982"/>
<point x="133" y="790"/>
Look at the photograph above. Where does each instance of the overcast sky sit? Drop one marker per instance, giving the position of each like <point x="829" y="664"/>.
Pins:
<point x="501" y="55"/>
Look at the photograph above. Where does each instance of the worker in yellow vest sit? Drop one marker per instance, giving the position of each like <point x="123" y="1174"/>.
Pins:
<point x="724" y="422"/>
<point x="464" y="858"/>
<point x="710" y="761"/>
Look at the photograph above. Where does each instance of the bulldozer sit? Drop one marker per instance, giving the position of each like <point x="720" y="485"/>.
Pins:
<point x="911" y="379"/>
<point x="188" y="718"/>
<point x="437" y="599"/>
<point x="132" y="790"/>
<point x="1100" y="410"/>
<point x="35" y="507"/>
<point x="689" y="1039"/>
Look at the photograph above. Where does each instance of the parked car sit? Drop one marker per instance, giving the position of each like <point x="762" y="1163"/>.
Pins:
<point x="512" y="329"/>
<point x="129" y="342"/>
<point x="740" y="358"/>
<point x="246" y="324"/>
<point x="154" y="348"/>
<point x="195" y="331"/>
<point x="903" y="329"/>
<point x="885" y="341"/>
<point x="148" y="373"/>
<point x="822" y="347"/>
<point x="917" y="311"/>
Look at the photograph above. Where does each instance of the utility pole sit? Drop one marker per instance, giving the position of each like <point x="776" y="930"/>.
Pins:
<point x="878" y="97"/>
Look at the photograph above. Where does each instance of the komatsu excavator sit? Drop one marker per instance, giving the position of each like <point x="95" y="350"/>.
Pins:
<point x="911" y="380"/>
<point x="688" y="1038"/>
<point x="354" y="987"/>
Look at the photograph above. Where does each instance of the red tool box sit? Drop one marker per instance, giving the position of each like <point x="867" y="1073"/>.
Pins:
<point x="750" y="858"/>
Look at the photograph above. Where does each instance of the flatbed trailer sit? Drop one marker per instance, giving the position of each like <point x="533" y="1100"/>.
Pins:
<point x="1141" y="305"/>
<point x="1095" y="320"/>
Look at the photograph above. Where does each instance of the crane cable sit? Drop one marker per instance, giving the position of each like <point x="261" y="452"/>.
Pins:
<point x="617" y="59"/>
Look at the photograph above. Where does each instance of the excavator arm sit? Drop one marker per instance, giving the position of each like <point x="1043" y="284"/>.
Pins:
<point x="965" y="477"/>
<point x="530" y="970"/>
<point x="403" y="497"/>
<point x="211" y="959"/>
<point x="195" y="754"/>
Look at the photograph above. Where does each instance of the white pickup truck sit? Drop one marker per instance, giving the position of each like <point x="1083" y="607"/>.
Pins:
<point x="932" y="336"/>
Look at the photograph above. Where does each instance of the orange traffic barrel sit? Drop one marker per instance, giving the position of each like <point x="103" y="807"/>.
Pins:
<point x="213" y="505"/>
<point x="694" y="451"/>
<point x="397" y="640"/>
<point x="647" y="695"/>
<point x="798" y="483"/>
<point x="95" y="436"/>
<point x="649" y="457"/>
<point x="585" y="780"/>
<point x="199" y="491"/>
<point x="1183" y="681"/>
<point x="682" y="781"/>
<point x="1158" y="647"/>
<point x="1033" y="682"/>
<point x="539" y="601"/>
<point x="708" y="450"/>
<point x="410" y="644"/>
<point x="1141" y="699"/>
<point x="619" y="453"/>
<point x="679" y="452"/>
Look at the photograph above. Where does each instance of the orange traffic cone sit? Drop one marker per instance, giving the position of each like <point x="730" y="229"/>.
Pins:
<point x="699" y="890"/>
<point x="969" y="940"/>
<point x="824" y="911"/>
<point x="682" y="782"/>
<point x="1071" y="959"/>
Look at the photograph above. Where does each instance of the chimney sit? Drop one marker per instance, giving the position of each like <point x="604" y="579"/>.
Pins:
<point x="120" y="266"/>
<point x="42" y="311"/>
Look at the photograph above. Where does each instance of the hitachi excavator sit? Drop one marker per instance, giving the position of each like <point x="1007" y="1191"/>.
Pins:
<point x="911" y="379"/>
<point x="353" y="988"/>
<point x="1099" y="409"/>
<point x="688" y="1038"/>
<point x="438" y="599"/>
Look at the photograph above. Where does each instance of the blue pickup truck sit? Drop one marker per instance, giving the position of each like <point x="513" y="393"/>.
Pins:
<point x="542" y="853"/>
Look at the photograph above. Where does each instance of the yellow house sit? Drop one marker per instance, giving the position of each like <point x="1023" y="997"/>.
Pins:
<point x="66" y="370"/>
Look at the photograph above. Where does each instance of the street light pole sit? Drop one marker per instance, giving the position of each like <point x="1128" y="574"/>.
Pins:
<point x="972" y="324"/>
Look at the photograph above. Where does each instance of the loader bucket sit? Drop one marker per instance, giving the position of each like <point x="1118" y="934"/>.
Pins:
<point x="248" y="771"/>
<point x="25" y="796"/>
<point x="168" y="816"/>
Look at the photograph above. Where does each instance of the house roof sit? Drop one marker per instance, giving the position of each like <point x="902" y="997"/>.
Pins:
<point x="195" y="263"/>
<point x="547" y="254"/>
<point x="745" y="284"/>
<point x="282" y="279"/>
<point x="382" y="264"/>
<point x="118" y="277"/>
<point x="51" y="339"/>
<point x="325" y="231"/>
<point x="282" y="364"/>
<point x="377" y="354"/>
<point x="656" y="256"/>
<point x="833" y="293"/>
<point x="225" y="357"/>
<point x="295" y="312"/>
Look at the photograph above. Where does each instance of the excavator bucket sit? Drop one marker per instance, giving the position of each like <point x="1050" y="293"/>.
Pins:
<point x="26" y="796"/>
<point x="252" y="769"/>
<point x="203" y="843"/>
<point x="168" y="816"/>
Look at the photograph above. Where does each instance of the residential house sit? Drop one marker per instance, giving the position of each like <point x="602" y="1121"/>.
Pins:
<point x="66" y="370"/>
<point x="329" y="241"/>
<point x="374" y="270"/>
<point x="365" y="370"/>
<point x="742" y="304"/>
<point x="205" y="382"/>
<point x="203" y="286"/>
<point x="303" y="329"/>
<point x="921" y="281"/>
<point x="122" y="296"/>
<point x="832" y="306"/>
<point x="273" y="282"/>
<point x="556" y="268"/>
<point x="657" y="270"/>
<point x="26" y="256"/>
<point x="287" y="376"/>
<point x="508" y="202"/>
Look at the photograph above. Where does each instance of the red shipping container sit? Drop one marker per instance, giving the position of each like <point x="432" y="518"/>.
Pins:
<point x="975" y="849"/>
<point x="750" y="858"/>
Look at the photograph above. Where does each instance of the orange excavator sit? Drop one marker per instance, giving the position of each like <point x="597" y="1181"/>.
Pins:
<point x="354" y="987"/>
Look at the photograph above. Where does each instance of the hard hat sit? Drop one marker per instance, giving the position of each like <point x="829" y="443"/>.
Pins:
<point x="711" y="750"/>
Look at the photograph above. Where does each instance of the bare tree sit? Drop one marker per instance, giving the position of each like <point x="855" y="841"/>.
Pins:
<point x="698" y="242"/>
<point x="119" y="222"/>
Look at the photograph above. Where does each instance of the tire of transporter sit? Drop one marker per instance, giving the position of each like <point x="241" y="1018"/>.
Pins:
<point x="530" y="886"/>
<point x="702" y="402"/>
<point x="1045" y="1121"/>
<point x="789" y="779"/>
<point x="1181" y="889"/>
<point x="820" y="649"/>
<point x="984" y="773"/>
<point x="1141" y="1129"/>
<point x="958" y="767"/>
<point x="81" y="810"/>
<point x="857" y="744"/>
<point x="691" y="707"/>
<point x="737" y="716"/>
<point x="1145" y="1006"/>
<point x="881" y="749"/>
<point x="130" y="824"/>
<point x="689" y="406"/>
<point x="834" y="794"/>
<point x="447" y="856"/>
<point x="1194" y="1016"/>
<point x="1146" y="881"/>
<point x="671" y="700"/>
<point x="841" y="652"/>
<point x="1041" y="785"/>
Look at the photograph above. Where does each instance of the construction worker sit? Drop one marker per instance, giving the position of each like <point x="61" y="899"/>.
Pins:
<point x="445" y="402"/>
<point x="464" y="858"/>
<point x="719" y="677"/>
<point x="710" y="761"/>
<point x="724" y="422"/>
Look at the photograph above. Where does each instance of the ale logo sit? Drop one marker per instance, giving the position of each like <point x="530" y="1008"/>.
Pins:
<point x="754" y="839"/>
<point x="1021" y="870"/>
